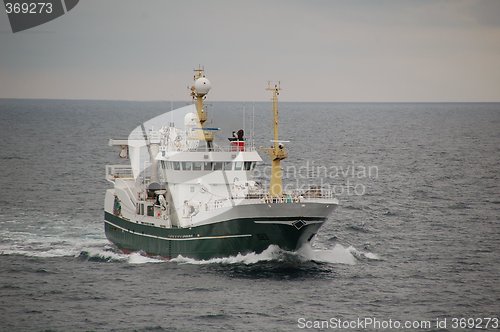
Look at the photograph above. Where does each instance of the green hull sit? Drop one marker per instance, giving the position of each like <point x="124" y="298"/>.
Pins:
<point x="221" y="239"/>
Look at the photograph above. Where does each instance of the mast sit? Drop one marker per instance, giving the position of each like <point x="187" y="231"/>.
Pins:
<point x="199" y="90"/>
<point x="277" y="152"/>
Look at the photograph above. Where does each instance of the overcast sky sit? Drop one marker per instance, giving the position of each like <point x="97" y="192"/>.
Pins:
<point x="320" y="50"/>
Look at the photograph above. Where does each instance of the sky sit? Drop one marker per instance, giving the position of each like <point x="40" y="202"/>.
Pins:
<point x="320" y="50"/>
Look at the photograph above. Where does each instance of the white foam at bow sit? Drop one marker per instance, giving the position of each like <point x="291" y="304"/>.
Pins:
<point x="271" y="253"/>
<point x="361" y="254"/>
<point x="337" y="255"/>
<point x="137" y="258"/>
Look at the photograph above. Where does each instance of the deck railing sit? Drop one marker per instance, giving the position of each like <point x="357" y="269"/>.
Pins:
<point x="114" y="172"/>
<point x="263" y="197"/>
<point x="226" y="148"/>
<point x="293" y="196"/>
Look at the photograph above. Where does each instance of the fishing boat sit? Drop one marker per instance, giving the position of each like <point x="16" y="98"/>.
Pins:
<point x="184" y="193"/>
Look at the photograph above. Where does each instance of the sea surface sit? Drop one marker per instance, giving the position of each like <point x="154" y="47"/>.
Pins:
<point x="416" y="236"/>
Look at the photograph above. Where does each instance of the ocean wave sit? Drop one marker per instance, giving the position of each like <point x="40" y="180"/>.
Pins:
<point x="363" y="254"/>
<point x="336" y="255"/>
<point x="109" y="254"/>
<point x="271" y="253"/>
<point x="99" y="250"/>
<point x="104" y="255"/>
<point x="140" y="258"/>
<point x="49" y="247"/>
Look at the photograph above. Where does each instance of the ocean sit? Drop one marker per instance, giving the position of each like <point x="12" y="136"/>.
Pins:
<point x="415" y="239"/>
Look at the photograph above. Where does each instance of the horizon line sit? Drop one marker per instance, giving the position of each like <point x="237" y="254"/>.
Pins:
<point x="255" y="101"/>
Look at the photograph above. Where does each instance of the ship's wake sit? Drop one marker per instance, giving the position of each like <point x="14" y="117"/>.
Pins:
<point x="93" y="249"/>
<point x="278" y="264"/>
<point x="336" y="255"/>
<point x="110" y="254"/>
<point x="97" y="249"/>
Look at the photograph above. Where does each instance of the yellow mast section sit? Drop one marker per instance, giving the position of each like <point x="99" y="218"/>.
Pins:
<point x="277" y="152"/>
<point x="198" y="97"/>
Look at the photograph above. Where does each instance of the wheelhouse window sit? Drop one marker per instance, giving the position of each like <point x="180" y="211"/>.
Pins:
<point x="197" y="166"/>
<point x="208" y="165"/>
<point x="217" y="166"/>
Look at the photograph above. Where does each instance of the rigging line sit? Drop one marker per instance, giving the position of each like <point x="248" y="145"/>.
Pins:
<point x="253" y="124"/>
<point x="145" y="136"/>
<point x="244" y="114"/>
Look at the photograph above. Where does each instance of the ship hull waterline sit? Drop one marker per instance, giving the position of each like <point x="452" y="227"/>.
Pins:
<point x="215" y="240"/>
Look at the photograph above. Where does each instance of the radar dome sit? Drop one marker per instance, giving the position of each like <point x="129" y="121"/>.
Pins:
<point x="202" y="86"/>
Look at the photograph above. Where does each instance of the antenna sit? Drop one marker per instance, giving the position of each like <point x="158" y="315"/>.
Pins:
<point x="253" y="124"/>
<point x="277" y="152"/>
<point x="244" y="114"/>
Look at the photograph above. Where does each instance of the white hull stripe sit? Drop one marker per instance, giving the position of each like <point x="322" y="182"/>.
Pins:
<point x="287" y="222"/>
<point x="180" y="239"/>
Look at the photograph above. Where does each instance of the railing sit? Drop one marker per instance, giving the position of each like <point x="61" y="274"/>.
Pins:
<point x="225" y="148"/>
<point x="235" y="148"/>
<point x="203" y="148"/>
<point x="313" y="194"/>
<point x="317" y="193"/>
<point x="294" y="196"/>
<point x="118" y="171"/>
